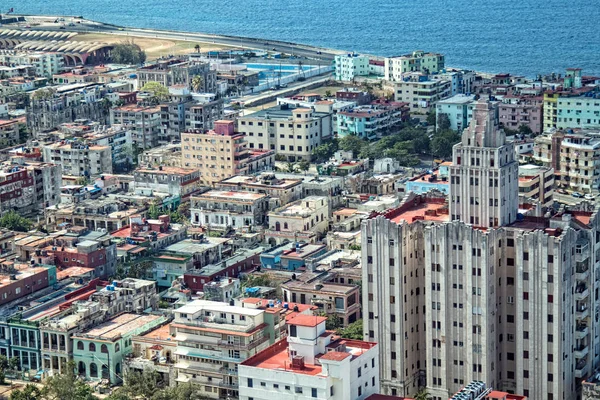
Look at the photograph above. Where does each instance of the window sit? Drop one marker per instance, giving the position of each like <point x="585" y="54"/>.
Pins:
<point x="104" y="349"/>
<point x="79" y="345"/>
<point x="250" y="382"/>
<point x="298" y="389"/>
<point x="92" y="347"/>
<point x="314" y="392"/>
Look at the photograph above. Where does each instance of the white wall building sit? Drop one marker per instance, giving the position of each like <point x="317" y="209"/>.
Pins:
<point x="349" y="66"/>
<point x="311" y="363"/>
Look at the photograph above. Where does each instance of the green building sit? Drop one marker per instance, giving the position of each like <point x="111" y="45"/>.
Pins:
<point x="99" y="352"/>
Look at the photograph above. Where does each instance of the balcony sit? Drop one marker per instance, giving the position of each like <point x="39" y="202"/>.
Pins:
<point x="581" y="351"/>
<point x="581" y="312"/>
<point x="582" y="272"/>
<point x="582" y="370"/>
<point x="581" y="292"/>
<point x="582" y="331"/>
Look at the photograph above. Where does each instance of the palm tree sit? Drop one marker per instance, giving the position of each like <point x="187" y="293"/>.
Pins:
<point x="422" y="394"/>
<point x="197" y="48"/>
<point x="197" y="83"/>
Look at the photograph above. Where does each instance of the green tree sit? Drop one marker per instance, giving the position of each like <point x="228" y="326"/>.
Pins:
<point x="139" y="385"/>
<point x="67" y="386"/>
<point x="290" y="167"/>
<point x="325" y="150"/>
<point x="304" y="165"/>
<point x="157" y="91"/>
<point x="443" y="122"/>
<point x="442" y="142"/>
<point x="15" y="222"/>
<point x="352" y="331"/>
<point x="197" y="83"/>
<point x="184" y="210"/>
<point x="127" y="53"/>
<point x="328" y="93"/>
<point x="7" y="364"/>
<point x="422" y="394"/>
<point x="43" y="94"/>
<point x="431" y="117"/>
<point x="352" y="143"/>
<point x="525" y="130"/>
<point x="29" y="392"/>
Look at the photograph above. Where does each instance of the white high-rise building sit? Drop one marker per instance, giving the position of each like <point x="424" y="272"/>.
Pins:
<point x="459" y="292"/>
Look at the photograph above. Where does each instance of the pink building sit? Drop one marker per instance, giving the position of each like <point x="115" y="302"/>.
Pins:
<point x="515" y="111"/>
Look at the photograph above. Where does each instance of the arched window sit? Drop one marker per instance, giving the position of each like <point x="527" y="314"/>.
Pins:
<point x="285" y="225"/>
<point x="93" y="370"/>
<point x="79" y="345"/>
<point x="104" y="349"/>
<point x="92" y="347"/>
<point x="117" y="348"/>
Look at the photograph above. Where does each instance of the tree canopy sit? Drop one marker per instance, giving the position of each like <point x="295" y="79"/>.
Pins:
<point x="442" y="142"/>
<point x="15" y="222"/>
<point x="127" y="53"/>
<point x="158" y="91"/>
<point x="352" y="331"/>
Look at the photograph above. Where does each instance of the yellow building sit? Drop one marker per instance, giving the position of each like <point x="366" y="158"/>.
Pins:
<point x="221" y="153"/>
<point x="550" y="109"/>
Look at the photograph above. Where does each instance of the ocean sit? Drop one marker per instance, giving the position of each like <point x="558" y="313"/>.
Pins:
<point x="523" y="37"/>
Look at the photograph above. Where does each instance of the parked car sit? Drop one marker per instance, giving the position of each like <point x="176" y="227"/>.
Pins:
<point x="577" y="195"/>
<point x="561" y="191"/>
<point x="589" y="196"/>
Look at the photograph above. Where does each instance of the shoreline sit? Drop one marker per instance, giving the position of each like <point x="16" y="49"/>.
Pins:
<point x="107" y="28"/>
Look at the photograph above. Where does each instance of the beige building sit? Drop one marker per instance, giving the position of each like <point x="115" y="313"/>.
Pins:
<point x="221" y="153"/>
<point x="291" y="132"/>
<point x="573" y="156"/>
<point x="508" y="304"/>
<point x="78" y="159"/>
<point x="536" y="183"/>
<point x="422" y="94"/>
<point x="418" y="61"/>
<point x="222" y="210"/>
<point x="305" y="219"/>
<point x="142" y="121"/>
<point x="213" y="338"/>
<point x="281" y="190"/>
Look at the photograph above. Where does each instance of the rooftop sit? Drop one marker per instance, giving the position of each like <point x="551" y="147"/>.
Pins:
<point x="232" y="196"/>
<point x="420" y="208"/>
<point x="118" y="326"/>
<point x="307" y="320"/>
<point x="190" y="246"/>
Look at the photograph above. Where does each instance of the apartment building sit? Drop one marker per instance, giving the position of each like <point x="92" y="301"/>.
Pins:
<point x="290" y="132"/>
<point x="221" y="153"/>
<point x="418" y="61"/>
<point x="305" y="219"/>
<point x="46" y="64"/>
<point x="154" y="351"/>
<point x="213" y="338"/>
<point x="578" y="112"/>
<point x="178" y="71"/>
<point x="536" y="183"/>
<point x="175" y="181"/>
<point x="421" y="93"/>
<point x="458" y="109"/>
<point x="311" y="363"/>
<point x="203" y="116"/>
<point x="222" y="210"/>
<point x="502" y="300"/>
<point x="372" y="121"/>
<point x="79" y="159"/>
<point x="349" y="66"/>
<point x="517" y="111"/>
<point x="336" y="300"/>
<point x="120" y="142"/>
<point x="67" y="104"/>
<point x="285" y="190"/>
<point x="100" y="351"/>
<point x="9" y="132"/>
<point x="579" y="165"/>
<point x="29" y="187"/>
<point x="142" y="121"/>
<point x="20" y="280"/>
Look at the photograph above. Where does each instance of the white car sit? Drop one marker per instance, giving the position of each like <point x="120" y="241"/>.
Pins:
<point x="589" y="197"/>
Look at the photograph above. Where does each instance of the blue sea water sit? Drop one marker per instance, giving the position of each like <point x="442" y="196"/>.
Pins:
<point x="517" y="36"/>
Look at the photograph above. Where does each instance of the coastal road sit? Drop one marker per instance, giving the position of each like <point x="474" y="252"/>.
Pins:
<point x="88" y="26"/>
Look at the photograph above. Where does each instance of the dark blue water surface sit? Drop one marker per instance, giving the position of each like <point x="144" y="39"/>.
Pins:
<point x="518" y="36"/>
